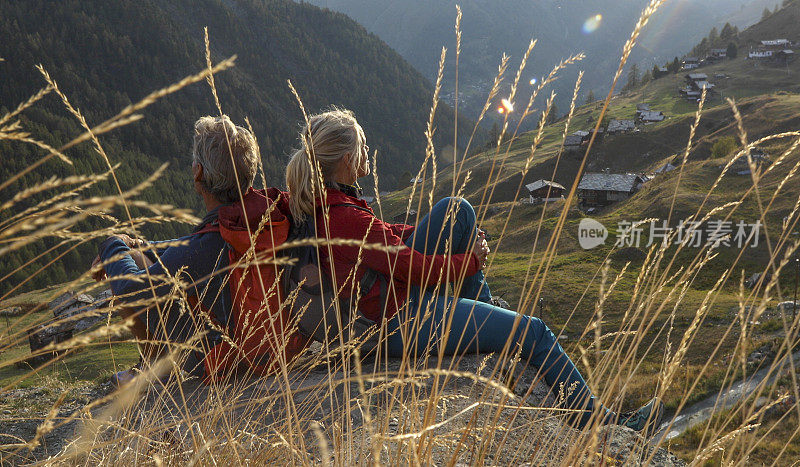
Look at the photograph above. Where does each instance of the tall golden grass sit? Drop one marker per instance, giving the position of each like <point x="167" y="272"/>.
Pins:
<point x="327" y="406"/>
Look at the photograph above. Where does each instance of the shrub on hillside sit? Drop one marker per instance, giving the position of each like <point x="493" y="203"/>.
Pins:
<point x="724" y="146"/>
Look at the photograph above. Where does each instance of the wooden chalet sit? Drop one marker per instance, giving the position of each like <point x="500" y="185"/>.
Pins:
<point x="698" y="81"/>
<point x="602" y="189"/>
<point x="784" y="56"/>
<point x="776" y="44"/>
<point x="668" y="167"/>
<point x="620" y="126"/>
<point x="573" y="141"/>
<point x="741" y="166"/>
<point x="690" y="63"/>
<point x="541" y="191"/>
<point x="649" y="116"/>
<point x="717" y="54"/>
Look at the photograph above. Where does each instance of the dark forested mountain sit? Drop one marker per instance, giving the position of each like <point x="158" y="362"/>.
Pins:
<point x="105" y="55"/>
<point x="418" y="29"/>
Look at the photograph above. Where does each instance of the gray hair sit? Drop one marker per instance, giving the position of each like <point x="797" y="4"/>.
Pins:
<point x="228" y="155"/>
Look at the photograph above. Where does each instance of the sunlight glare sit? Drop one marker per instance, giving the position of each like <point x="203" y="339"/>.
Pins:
<point x="591" y="24"/>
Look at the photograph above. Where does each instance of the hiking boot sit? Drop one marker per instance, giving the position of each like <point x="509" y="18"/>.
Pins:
<point x="646" y="419"/>
<point x="499" y="302"/>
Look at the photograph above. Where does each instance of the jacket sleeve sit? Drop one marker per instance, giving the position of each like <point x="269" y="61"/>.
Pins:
<point x="402" y="230"/>
<point x="407" y="265"/>
<point x="189" y="260"/>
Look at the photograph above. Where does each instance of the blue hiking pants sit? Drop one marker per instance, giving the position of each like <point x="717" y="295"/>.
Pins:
<point x="478" y="326"/>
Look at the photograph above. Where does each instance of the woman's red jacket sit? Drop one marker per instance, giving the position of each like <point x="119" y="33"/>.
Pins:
<point x="402" y="268"/>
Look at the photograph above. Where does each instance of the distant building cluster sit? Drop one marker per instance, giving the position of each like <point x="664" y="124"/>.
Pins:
<point x="776" y="50"/>
<point x="695" y="83"/>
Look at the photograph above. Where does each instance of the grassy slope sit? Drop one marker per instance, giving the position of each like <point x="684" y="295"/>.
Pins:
<point x="95" y="363"/>
<point x="571" y="287"/>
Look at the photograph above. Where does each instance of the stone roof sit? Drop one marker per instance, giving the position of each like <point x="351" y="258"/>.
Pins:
<point x="573" y="140"/>
<point x="609" y="182"/>
<point x="621" y="125"/>
<point x="651" y="115"/>
<point x="697" y="76"/>
<point x="543" y="183"/>
<point x="665" y="168"/>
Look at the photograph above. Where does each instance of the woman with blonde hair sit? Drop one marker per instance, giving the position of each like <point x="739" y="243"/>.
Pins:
<point x="417" y="315"/>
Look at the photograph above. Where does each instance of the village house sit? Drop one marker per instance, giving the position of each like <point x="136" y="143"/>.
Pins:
<point x="599" y="137"/>
<point x="776" y="51"/>
<point x="741" y="166"/>
<point x="784" y="56"/>
<point x="649" y="116"/>
<point x="542" y="191"/>
<point x="645" y="115"/>
<point x="660" y="72"/>
<point x="664" y="169"/>
<point x="690" y="63"/>
<point x="695" y="82"/>
<point x="620" y="126"/>
<point x="586" y="136"/>
<point x="602" y="189"/>
<point x="573" y="141"/>
<point x="776" y="44"/>
<point x="717" y="54"/>
<point x="759" y="54"/>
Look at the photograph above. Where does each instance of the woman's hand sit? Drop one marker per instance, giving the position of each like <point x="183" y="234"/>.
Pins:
<point x="481" y="248"/>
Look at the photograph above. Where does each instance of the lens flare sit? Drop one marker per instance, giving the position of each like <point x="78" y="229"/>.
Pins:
<point x="501" y="110"/>
<point x="591" y="24"/>
<point x="533" y="81"/>
<point x="506" y="105"/>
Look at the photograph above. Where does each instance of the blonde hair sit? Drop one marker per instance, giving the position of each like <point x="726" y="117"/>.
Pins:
<point x="228" y="155"/>
<point x="324" y="141"/>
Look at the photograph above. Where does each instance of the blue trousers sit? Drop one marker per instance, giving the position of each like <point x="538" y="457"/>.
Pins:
<point x="477" y="326"/>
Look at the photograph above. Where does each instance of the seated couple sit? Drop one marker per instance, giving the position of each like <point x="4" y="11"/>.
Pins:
<point x="415" y="309"/>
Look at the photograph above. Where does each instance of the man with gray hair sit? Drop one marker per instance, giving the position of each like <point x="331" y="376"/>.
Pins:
<point x="224" y="165"/>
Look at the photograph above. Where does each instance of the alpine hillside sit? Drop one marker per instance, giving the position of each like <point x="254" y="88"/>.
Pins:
<point x="106" y="55"/>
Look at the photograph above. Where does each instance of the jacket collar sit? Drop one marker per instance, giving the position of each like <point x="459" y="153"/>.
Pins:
<point x="211" y="216"/>
<point x="350" y="190"/>
<point x="337" y="196"/>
